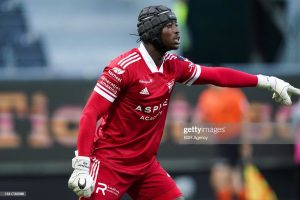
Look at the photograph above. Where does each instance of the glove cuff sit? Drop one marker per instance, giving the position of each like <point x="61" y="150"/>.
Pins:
<point x="81" y="163"/>
<point x="265" y="82"/>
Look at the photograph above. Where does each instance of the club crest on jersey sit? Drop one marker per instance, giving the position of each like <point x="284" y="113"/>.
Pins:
<point x="145" y="91"/>
<point x="171" y="84"/>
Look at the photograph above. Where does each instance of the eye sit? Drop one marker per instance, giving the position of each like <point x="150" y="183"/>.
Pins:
<point x="169" y="25"/>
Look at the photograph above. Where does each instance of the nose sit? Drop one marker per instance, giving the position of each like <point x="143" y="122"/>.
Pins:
<point x="175" y="28"/>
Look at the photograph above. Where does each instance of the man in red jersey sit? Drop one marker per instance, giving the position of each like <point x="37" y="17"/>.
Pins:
<point x="122" y="122"/>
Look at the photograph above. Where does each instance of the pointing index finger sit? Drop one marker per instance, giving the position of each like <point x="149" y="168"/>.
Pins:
<point x="294" y="90"/>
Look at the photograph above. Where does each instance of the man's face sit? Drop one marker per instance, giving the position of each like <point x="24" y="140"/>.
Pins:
<point x="170" y="36"/>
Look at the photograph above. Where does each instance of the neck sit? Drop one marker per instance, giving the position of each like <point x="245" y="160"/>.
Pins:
<point x="155" y="54"/>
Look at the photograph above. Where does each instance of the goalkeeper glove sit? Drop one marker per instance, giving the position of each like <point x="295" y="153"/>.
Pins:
<point x="282" y="91"/>
<point x="81" y="181"/>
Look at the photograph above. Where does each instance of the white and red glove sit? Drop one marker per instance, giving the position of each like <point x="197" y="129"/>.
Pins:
<point x="81" y="181"/>
<point x="282" y="91"/>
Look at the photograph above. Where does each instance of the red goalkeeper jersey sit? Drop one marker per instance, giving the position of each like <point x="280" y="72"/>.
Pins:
<point x="129" y="134"/>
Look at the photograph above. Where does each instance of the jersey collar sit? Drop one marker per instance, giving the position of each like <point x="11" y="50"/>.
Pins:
<point x="149" y="61"/>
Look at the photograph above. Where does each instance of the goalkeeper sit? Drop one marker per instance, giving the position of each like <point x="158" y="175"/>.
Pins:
<point x="123" y="120"/>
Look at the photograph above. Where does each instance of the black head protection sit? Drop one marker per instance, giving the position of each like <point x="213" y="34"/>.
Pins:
<point x="151" y="20"/>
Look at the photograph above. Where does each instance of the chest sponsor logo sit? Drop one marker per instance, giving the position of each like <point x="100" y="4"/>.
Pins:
<point x="152" y="109"/>
<point x="151" y="112"/>
<point x="145" y="91"/>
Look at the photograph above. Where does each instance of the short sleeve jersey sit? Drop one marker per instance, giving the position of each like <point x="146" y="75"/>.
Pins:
<point x="129" y="133"/>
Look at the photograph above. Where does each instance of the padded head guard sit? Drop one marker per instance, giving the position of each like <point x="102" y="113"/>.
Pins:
<point x="151" y="20"/>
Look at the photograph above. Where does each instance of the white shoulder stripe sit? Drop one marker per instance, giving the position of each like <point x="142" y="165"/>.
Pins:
<point x="168" y="56"/>
<point x="103" y="94"/>
<point x="173" y="57"/>
<point x="105" y="90"/>
<point x="132" y="61"/>
<point x="127" y="57"/>
<point x="128" y="60"/>
<point x="195" y="75"/>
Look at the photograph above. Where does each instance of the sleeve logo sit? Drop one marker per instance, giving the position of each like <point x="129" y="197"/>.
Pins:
<point x="118" y="70"/>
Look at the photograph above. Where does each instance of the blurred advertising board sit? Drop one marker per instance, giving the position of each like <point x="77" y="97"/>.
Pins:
<point x="39" y="119"/>
<point x="39" y="122"/>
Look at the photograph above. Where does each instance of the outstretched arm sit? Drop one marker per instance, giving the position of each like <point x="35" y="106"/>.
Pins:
<point x="227" y="77"/>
